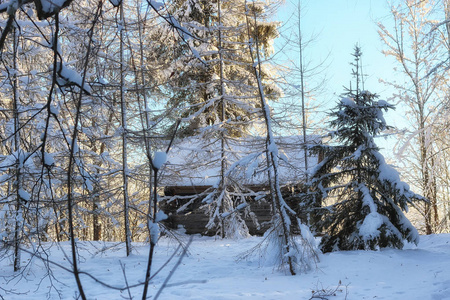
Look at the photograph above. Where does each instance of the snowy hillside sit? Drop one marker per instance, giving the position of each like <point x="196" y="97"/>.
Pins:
<point x="212" y="270"/>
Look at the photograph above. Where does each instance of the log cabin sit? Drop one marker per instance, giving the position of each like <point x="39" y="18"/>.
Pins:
<point x="198" y="167"/>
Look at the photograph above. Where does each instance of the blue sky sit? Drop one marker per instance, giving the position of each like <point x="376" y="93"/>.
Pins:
<point x="338" y="26"/>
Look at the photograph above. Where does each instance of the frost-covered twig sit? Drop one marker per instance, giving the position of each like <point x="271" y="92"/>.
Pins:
<point x="325" y="293"/>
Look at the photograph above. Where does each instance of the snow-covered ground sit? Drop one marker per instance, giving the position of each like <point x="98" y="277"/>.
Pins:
<point x="212" y="270"/>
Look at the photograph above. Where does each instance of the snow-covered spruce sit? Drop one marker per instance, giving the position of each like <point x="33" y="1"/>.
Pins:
<point x="368" y="198"/>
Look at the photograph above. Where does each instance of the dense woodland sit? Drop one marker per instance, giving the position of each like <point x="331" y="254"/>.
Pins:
<point x="99" y="97"/>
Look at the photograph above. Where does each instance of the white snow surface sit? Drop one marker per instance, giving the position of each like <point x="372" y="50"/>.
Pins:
<point x="212" y="270"/>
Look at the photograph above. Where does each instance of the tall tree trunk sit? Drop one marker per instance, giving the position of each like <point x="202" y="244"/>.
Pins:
<point x="96" y="220"/>
<point x="18" y="176"/>
<point x="147" y="125"/>
<point x="425" y="174"/>
<point x="302" y="87"/>
<point x="223" y="163"/>
<point x="123" y="112"/>
<point x="96" y="225"/>
<point x="271" y="149"/>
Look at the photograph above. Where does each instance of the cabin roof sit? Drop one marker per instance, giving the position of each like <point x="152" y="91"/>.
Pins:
<point x="197" y="162"/>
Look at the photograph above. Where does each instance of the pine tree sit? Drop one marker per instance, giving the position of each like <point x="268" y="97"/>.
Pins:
<point x="369" y="196"/>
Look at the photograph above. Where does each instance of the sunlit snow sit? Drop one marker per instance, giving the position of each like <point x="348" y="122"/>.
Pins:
<point x="213" y="270"/>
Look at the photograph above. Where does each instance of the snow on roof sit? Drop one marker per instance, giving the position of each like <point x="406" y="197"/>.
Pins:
<point x="197" y="162"/>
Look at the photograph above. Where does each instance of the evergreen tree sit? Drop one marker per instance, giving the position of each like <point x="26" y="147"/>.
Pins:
<point x="369" y="196"/>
